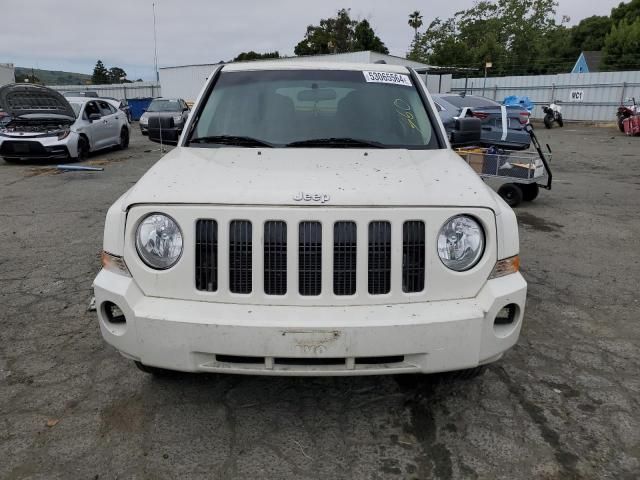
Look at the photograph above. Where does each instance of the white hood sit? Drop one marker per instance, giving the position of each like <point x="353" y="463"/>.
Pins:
<point x="353" y="177"/>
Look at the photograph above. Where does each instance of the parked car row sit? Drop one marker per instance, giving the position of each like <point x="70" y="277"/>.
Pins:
<point x="44" y="124"/>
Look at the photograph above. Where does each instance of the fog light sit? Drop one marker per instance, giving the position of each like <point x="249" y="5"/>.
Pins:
<point x="506" y="315"/>
<point x="113" y="313"/>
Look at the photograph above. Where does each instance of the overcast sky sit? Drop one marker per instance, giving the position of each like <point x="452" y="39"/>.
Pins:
<point x="72" y="35"/>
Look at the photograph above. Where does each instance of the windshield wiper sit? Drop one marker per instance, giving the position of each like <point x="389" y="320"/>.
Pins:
<point x="232" y="140"/>
<point x="336" y="142"/>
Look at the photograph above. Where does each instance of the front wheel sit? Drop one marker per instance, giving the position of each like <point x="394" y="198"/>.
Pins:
<point x="10" y="160"/>
<point x="548" y="120"/>
<point x="621" y="123"/>
<point x="529" y="191"/>
<point x="559" y="120"/>
<point x="124" y="138"/>
<point x="83" y="150"/>
<point x="511" y="193"/>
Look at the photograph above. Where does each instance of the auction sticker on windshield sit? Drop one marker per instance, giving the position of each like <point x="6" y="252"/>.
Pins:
<point x="386" y="77"/>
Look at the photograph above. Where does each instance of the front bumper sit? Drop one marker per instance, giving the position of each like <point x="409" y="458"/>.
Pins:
<point x="293" y="340"/>
<point x="40" y="148"/>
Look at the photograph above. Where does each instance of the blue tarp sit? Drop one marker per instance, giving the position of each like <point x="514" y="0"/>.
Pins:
<point x="138" y="106"/>
<point x="514" y="100"/>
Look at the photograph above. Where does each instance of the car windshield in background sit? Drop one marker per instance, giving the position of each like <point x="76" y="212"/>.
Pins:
<point x="76" y="108"/>
<point x="164" y="106"/>
<point x="471" y="102"/>
<point x="314" y="108"/>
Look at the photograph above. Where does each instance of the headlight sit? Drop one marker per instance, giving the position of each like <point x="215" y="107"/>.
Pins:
<point x="63" y="134"/>
<point x="144" y="120"/>
<point x="461" y="243"/>
<point x="159" y="241"/>
<point x="177" y="118"/>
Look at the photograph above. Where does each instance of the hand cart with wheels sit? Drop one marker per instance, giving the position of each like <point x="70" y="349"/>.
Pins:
<point x="516" y="175"/>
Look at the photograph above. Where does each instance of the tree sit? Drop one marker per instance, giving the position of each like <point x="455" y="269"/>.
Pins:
<point x="621" y="46"/>
<point x="339" y="34"/>
<point x="364" y="39"/>
<point x="100" y="74"/>
<point x="626" y="11"/>
<point x="415" y="22"/>
<point x="251" y="55"/>
<point x="117" y="75"/>
<point x="590" y="33"/>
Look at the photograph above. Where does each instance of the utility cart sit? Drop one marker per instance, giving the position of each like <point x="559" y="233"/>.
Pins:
<point x="515" y="175"/>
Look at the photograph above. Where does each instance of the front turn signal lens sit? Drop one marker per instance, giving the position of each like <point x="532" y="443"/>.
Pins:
<point x="506" y="266"/>
<point x="114" y="263"/>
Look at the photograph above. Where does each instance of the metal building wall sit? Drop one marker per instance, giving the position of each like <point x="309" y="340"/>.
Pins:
<point x="7" y="73"/>
<point x="119" y="91"/>
<point x="184" y="82"/>
<point x="187" y="81"/>
<point x="584" y="96"/>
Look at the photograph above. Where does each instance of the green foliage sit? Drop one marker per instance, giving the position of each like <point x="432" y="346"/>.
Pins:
<point x="251" y="55"/>
<point x="364" y="38"/>
<point x="100" y="74"/>
<point x="117" y="75"/>
<point x="339" y="34"/>
<point x="415" y="22"/>
<point x="622" y="45"/>
<point x="522" y="37"/>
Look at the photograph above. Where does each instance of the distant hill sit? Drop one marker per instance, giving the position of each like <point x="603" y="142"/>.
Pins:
<point x="54" y="77"/>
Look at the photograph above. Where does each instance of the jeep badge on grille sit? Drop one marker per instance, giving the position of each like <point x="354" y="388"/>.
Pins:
<point x="311" y="197"/>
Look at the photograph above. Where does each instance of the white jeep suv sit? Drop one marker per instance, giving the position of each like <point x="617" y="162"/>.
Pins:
<point x="313" y="220"/>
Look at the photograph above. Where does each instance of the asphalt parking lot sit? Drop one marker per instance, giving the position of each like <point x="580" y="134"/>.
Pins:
<point x="563" y="404"/>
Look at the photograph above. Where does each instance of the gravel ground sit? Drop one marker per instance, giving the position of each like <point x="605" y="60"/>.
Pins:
<point x="563" y="404"/>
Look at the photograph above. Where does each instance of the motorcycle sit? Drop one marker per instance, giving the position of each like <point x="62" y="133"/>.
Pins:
<point x="625" y="111"/>
<point x="552" y="113"/>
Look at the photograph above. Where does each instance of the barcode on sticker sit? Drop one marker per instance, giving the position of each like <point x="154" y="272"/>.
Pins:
<point x="387" y="77"/>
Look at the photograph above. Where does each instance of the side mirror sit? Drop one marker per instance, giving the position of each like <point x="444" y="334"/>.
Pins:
<point x="94" y="116"/>
<point x="467" y="131"/>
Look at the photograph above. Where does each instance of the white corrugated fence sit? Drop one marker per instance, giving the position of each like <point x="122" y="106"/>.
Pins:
<point x="119" y="90"/>
<point x="584" y="96"/>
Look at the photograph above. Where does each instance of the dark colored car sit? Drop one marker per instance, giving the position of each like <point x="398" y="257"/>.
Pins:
<point x="450" y="106"/>
<point x="166" y="114"/>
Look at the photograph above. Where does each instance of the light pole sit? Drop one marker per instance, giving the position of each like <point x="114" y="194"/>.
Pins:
<point x="487" y="66"/>
<point x="155" y="44"/>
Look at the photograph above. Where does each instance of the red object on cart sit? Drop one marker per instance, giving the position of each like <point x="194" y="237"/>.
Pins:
<point x="632" y="126"/>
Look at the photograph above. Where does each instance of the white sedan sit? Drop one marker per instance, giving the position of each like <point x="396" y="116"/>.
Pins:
<point x="46" y="125"/>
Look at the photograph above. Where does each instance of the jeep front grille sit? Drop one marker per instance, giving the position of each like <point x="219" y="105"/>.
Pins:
<point x="379" y="258"/>
<point x="240" y="256"/>
<point x="344" y="258"/>
<point x="310" y="258"/>
<point x="277" y="271"/>
<point x="275" y="258"/>
<point x="207" y="255"/>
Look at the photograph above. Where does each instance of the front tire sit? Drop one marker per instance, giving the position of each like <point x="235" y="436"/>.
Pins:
<point x="124" y="138"/>
<point x="511" y="193"/>
<point x="83" y="150"/>
<point x="560" y="121"/>
<point x="548" y="121"/>
<point x="529" y="191"/>
<point x="10" y="160"/>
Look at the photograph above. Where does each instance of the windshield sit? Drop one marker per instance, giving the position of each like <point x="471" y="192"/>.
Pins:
<point x="76" y="108"/>
<point x="315" y="108"/>
<point x="164" y="106"/>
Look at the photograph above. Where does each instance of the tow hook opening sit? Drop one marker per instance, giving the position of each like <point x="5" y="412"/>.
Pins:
<point x="506" y="320"/>
<point x="113" y="313"/>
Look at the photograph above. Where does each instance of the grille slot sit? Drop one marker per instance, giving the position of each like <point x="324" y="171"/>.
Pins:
<point x="379" y="258"/>
<point x="344" y="258"/>
<point x="240" y="256"/>
<point x="310" y="258"/>
<point x="413" y="256"/>
<point x="275" y="258"/>
<point x="207" y="255"/>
